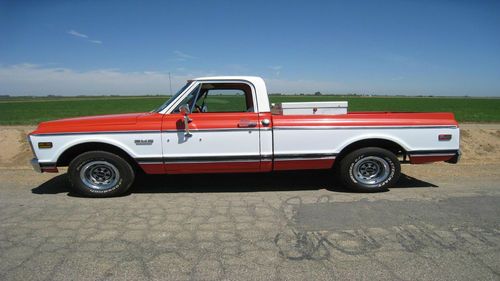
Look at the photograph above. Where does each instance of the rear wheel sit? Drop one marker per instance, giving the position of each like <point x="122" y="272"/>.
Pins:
<point x="100" y="174"/>
<point x="370" y="169"/>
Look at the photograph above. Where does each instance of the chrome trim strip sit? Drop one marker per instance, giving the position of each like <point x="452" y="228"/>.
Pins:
<point x="149" y="131"/>
<point x="430" y="155"/>
<point x="319" y="127"/>
<point x="211" y="130"/>
<point x="98" y="133"/>
<point x="47" y="164"/>
<point x="315" y="158"/>
<point x="234" y="158"/>
<point x="248" y="129"/>
<point x="305" y="155"/>
<point x="211" y="158"/>
<point x="429" y="152"/>
<point x="211" y="161"/>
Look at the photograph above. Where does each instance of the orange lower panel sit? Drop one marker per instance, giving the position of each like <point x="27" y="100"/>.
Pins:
<point x="236" y="167"/>
<point x="153" y="168"/>
<point x="312" y="164"/>
<point x="49" y="169"/>
<point x="429" y="159"/>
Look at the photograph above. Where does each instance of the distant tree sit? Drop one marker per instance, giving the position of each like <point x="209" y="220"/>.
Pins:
<point x="317" y="93"/>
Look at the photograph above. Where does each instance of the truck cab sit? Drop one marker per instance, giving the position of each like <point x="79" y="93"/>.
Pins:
<point x="224" y="126"/>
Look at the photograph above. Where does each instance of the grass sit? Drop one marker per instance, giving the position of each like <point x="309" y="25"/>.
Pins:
<point x="30" y="111"/>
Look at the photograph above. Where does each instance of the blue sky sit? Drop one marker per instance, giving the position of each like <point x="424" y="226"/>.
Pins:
<point x="405" y="47"/>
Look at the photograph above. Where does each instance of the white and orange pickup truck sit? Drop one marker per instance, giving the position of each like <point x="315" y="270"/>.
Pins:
<point x="227" y="125"/>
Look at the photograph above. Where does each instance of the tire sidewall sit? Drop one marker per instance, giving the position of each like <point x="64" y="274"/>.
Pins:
<point x="126" y="173"/>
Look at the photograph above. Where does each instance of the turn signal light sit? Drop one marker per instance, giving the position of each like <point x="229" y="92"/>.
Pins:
<point x="44" y="145"/>
<point x="444" y="137"/>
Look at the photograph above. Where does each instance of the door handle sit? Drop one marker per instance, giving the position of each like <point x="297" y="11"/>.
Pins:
<point x="247" y="124"/>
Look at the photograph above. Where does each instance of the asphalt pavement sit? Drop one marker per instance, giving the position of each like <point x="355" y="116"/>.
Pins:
<point x="442" y="222"/>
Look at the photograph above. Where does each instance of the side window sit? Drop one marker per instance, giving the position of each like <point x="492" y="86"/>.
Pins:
<point x="224" y="97"/>
<point x="189" y="99"/>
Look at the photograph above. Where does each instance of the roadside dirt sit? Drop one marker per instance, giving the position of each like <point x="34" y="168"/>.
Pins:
<point x="15" y="150"/>
<point x="480" y="143"/>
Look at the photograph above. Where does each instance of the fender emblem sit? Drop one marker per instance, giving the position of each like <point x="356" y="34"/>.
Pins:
<point x="143" y="142"/>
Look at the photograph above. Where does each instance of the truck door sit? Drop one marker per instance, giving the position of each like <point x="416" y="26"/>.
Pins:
<point x="223" y="135"/>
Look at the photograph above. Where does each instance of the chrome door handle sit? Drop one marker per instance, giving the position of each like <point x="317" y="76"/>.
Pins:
<point x="266" y="122"/>
<point x="247" y="124"/>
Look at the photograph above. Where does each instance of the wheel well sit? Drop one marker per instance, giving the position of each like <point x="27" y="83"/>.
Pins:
<point x="72" y="152"/>
<point x="381" y="143"/>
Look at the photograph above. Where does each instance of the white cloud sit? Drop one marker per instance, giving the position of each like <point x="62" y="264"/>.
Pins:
<point x="77" y="34"/>
<point x="276" y="69"/>
<point x="181" y="56"/>
<point x="84" y="36"/>
<point x="31" y="79"/>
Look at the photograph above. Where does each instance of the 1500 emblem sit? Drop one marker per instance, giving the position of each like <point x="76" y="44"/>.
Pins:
<point x="143" y="142"/>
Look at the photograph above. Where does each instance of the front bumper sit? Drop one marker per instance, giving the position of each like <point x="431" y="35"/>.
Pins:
<point x="455" y="158"/>
<point x="36" y="165"/>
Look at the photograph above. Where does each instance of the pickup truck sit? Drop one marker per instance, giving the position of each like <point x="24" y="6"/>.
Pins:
<point x="226" y="125"/>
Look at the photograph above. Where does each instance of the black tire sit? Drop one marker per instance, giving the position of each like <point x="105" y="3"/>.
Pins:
<point x="100" y="174"/>
<point x="370" y="169"/>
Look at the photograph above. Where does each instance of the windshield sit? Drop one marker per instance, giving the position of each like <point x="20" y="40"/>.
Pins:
<point x="171" y="99"/>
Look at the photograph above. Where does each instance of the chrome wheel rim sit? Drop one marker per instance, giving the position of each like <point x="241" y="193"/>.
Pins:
<point x="371" y="170"/>
<point x="99" y="175"/>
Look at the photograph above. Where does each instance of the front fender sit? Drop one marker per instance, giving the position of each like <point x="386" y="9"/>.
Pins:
<point x="62" y="143"/>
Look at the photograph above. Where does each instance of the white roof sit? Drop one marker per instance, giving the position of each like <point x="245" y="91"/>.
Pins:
<point x="247" y="78"/>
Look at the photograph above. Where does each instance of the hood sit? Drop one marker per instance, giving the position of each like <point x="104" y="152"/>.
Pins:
<point x="111" y="122"/>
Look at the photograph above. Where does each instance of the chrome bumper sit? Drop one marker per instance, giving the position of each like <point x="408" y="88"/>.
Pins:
<point x="456" y="158"/>
<point x="36" y="165"/>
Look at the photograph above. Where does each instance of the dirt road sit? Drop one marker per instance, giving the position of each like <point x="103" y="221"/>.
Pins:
<point x="440" y="223"/>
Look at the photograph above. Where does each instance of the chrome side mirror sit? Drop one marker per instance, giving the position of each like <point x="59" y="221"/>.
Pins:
<point x="184" y="109"/>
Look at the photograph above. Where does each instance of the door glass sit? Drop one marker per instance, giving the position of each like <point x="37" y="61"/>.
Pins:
<point x="223" y="100"/>
<point x="224" y="97"/>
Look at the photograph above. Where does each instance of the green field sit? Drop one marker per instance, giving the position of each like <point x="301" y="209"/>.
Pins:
<point x="30" y="111"/>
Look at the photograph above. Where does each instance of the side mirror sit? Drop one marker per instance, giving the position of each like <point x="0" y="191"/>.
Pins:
<point x="184" y="109"/>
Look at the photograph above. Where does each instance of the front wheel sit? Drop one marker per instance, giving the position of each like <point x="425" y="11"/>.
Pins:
<point x="370" y="169"/>
<point x="100" y="174"/>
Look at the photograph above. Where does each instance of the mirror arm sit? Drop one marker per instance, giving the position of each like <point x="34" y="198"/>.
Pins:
<point x="187" y="120"/>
